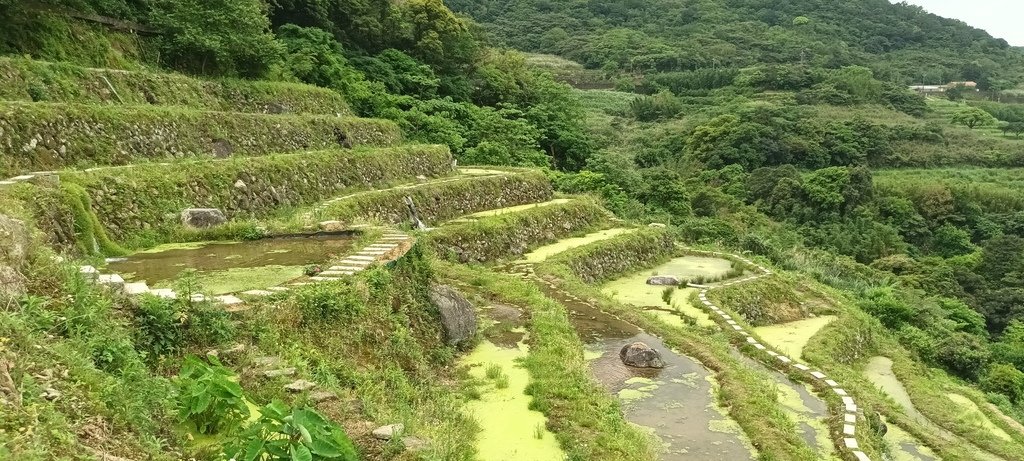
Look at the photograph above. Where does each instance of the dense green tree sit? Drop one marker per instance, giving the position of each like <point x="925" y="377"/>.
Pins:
<point x="972" y="117"/>
<point x="216" y="37"/>
<point x="949" y="241"/>
<point x="963" y="354"/>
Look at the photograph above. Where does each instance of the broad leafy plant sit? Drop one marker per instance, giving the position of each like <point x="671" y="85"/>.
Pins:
<point x="209" y="398"/>
<point x="298" y="434"/>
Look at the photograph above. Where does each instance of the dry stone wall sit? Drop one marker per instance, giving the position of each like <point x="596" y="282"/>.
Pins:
<point x="38" y="136"/>
<point x="146" y="200"/>
<point x="441" y="201"/>
<point x="618" y="256"/>
<point x="29" y="80"/>
<point x="513" y="234"/>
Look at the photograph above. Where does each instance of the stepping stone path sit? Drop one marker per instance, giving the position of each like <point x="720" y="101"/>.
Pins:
<point x="388" y="243"/>
<point x="299" y="386"/>
<point x="849" y="405"/>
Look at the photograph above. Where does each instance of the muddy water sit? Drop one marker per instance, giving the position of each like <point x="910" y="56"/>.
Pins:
<point x="677" y="403"/>
<point x="805" y="408"/>
<point x="790" y="338"/>
<point x="227" y="265"/>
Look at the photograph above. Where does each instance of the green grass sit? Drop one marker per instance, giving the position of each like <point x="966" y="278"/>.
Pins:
<point x="515" y="234"/>
<point x="32" y="80"/>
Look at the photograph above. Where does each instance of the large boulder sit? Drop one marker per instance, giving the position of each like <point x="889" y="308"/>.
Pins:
<point x="663" y="280"/>
<point x="458" y="317"/>
<point x="640" y="355"/>
<point x="202" y="217"/>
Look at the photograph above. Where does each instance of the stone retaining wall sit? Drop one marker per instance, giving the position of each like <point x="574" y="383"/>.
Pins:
<point x="514" y="234"/>
<point x="441" y="201"/>
<point x="29" y="80"/>
<point x="38" y="136"/>
<point x="612" y="258"/>
<point x="146" y="200"/>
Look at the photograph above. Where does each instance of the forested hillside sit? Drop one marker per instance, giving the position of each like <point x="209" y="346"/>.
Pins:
<point x="900" y="43"/>
<point x="453" y="205"/>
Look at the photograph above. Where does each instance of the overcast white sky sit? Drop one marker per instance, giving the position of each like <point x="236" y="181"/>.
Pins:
<point x="1001" y="18"/>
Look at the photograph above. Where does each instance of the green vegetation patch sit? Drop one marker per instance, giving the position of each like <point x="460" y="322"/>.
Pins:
<point x="46" y="136"/>
<point x="442" y="200"/>
<point x="140" y="206"/>
<point x="765" y="301"/>
<point x="40" y="81"/>
<point x="512" y="235"/>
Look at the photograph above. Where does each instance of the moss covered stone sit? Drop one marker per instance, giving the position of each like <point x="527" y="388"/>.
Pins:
<point x="443" y="200"/>
<point x="43" y="136"/>
<point x="143" y="202"/>
<point x="608" y="259"/>
<point x="516" y="233"/>
<point x="31" y="80"/>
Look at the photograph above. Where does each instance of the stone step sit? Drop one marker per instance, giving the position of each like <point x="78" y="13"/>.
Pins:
<point x="257" y="293"/>
<point x="362" y="258"/>
<point x="346" y="268"/>
<point x="229" y="300"/>
<point x="351" y="262"/>
<point x="198" y="298"/>
<point x="136" y="288"/>
<point x="324" y="279"/>
<point x="383" y="245"/>
<point x="336" y="273"/>
<point x="111" y="280"/>
<point x="89" y="272"/>
<point x="163" y="293"/>
<point x="278" y="289"/>
<point x="372" y="252"/>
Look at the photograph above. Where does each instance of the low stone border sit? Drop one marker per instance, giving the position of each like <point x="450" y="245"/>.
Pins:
<point x="783" y="363"/>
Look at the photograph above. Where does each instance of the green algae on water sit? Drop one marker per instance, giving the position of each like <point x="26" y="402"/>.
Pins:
<point x="543" y="253"/>
<point x="509" y="429"/>
<point x="243" y="279"/>
<point x="790" y="338"/>
<point x="904" y="447"/>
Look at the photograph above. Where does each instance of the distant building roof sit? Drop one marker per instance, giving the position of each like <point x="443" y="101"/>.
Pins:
<point x="967" y="84"/>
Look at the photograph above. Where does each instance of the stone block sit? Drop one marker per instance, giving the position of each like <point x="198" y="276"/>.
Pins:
<point x="202" y="218"/>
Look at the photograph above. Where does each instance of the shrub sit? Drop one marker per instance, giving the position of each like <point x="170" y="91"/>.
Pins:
<point x="216" y="37"/>
<point x="1005" y="379"/>
<point x="296" y="434"/>
<point x="329" y="302"/>
<point x="963" y="354"/>
<point x="209" y="398"/>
